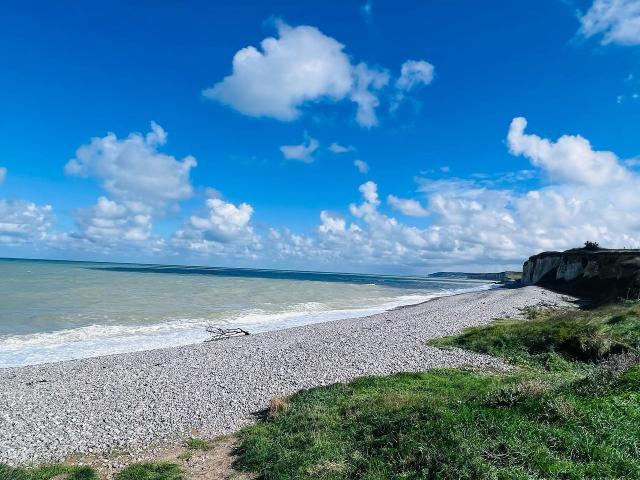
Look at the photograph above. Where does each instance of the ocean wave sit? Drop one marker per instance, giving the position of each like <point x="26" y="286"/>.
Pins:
<point x="98" y="340"/>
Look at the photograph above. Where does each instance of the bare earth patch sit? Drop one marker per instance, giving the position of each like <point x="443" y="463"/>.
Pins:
<point x="212" y="463"/>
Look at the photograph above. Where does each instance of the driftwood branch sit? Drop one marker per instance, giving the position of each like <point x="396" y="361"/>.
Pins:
<point x="222" y="333"/>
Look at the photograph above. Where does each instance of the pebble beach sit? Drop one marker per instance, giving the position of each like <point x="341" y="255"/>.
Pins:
<point x="137" y="401"/>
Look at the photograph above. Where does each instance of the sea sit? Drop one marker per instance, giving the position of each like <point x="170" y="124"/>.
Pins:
<point x="60" y="310"/>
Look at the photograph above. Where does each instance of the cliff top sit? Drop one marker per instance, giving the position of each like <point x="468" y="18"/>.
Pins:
<point x="588" y="251"/>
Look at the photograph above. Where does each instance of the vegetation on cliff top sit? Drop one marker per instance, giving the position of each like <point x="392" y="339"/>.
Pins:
<point x="565" y="335"/>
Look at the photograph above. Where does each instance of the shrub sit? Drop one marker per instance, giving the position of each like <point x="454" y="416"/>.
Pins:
<point x="588" y="245"/>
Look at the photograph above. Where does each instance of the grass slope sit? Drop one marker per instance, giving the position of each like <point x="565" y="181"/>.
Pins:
<point x="574" y="335"/>
<point x="570" y="411"/>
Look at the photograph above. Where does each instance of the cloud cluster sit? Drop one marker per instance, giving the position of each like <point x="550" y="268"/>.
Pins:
<point x="303" y="65"/>
<point x="133" y="169"/>
<point x="479" y="223"/>
<point x="616" y="21"/>
<point x="23" y="222"/>
<point x="331" y="223"/>
<point x="109" y="222"/>
<point x="142" y="181"/>
<point x="222" y="229"/>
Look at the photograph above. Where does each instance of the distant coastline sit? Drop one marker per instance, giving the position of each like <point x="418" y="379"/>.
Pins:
<point x="506" y="276"/>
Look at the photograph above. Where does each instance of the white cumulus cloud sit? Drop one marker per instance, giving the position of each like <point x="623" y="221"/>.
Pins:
<point x="109" y="222"/>
<point x="3" y="175"/>
<point x="570" y="159"/>
<point x="414" y="73"/>
<point x="222" y="222"/>
<point x="617" y="21"/>
<point x="133" y="169"/>
<point x="331" y="223"/>
<point x="301" y="66"/>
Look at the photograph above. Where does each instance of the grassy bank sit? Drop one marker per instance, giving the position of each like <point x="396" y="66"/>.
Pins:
<point x="570" y="410"/>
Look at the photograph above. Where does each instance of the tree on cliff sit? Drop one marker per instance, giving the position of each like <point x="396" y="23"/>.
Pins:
<point x="588" y="245"/>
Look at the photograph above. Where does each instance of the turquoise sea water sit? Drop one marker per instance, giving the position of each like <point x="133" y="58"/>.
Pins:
<point x="51" y="310"/>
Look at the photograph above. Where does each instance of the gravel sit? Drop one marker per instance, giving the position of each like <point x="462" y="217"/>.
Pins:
<point x="136" y="401"/>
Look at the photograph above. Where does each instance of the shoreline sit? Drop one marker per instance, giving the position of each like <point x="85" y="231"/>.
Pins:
<point x="134" y="401"/>
<point x="198" y="335"/>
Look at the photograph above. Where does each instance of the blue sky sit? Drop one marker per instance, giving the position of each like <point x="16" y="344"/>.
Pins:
<point x="239" y="169"/>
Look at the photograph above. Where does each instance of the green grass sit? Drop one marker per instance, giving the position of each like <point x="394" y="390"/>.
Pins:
<point x="138" y="471"/>
<point x="197" y="444"/>
<point x="47" y="472"/>
<point x="150" y="471"/>
<point x="571" y="412"/>
<point x="573" y="335"/>
<point x="193" y="445"/>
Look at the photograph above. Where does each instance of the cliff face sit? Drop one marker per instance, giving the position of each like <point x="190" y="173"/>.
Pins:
<point x="598" y="273"/>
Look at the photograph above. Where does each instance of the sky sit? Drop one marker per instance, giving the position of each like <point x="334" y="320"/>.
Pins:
<point x="369" y="136"/>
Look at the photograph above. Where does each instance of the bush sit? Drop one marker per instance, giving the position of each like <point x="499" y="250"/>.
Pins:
<point x="591" y="245"/>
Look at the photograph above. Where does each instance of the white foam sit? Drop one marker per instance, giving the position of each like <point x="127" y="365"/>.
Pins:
<point x="98" y="340"/>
